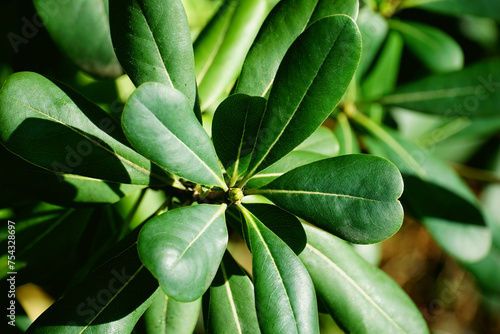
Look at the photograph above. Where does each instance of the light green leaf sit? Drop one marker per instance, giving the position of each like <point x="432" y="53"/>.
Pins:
<point x="234" y="129"/>
<point x="230" y="302"/>
<point x="298" y="103"/>
<point x="473" y="91"/>
<point x="346" y="136"/>
<point x="368" y="300"/>
<point x="151" y="48"/>
<point x="487" y="8"/>
<point x="322" y="141"/>
<point x="436" y="49"/>
<point x="53" y="127"/>
<point x="282" y="27"/>
<point x="354" y="196"/>
<point x="166" y="316"/>
<point x="434" y="193"/>
<point x="160" y="124"/>
<point x="80" y="28"/>
<point x="111" y="299"/>
<point x="384" y="75"/>
<point x="373" y="28"/>
<point x="284" y="293"/>
<point x="183" y="249"/>
<point x="222" y="46"/>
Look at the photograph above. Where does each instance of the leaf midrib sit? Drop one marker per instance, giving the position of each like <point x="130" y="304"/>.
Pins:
<point x="355" y="285"/>
<point x="428" y="95"/>
<point x="230" y="297"/>
<point x="306" y="192"/>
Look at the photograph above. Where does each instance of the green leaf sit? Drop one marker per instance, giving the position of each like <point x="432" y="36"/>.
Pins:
<point x="322" y="141"/>
<point x="473" y="91"/>
<point x="183" y="249"/>
<point x="487" y="8"/>
<point x="230" y="302"/>
<point x="81" y="30"/>
<point x="354" y="196"/>
<point x="234" y="129"/>
<point x="110" y="299"/>
<point x="53" y="127"/>
<point x="369" y="301"/>
<point x="347" y="138"/>
<point x="436" y="49"/>
<point x="284" y="293"/>
<point x="151" y="48"/>
<point x="298" y="103"/>
<point x="383" y="77"/>
<point x="282" y="27"/>
<point x="292" y="160"/>
<point x="166" y="316"/>
<point x="60" y="189"/>
<point x="434" y="193"/>
<point x="45" y="234"/>
<point x="222" y="46"/>
<point x="160" y="124"/>
<point x="373" y="28"/>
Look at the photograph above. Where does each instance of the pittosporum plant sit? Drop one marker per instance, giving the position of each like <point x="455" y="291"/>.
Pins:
<point x="222" y="140"/>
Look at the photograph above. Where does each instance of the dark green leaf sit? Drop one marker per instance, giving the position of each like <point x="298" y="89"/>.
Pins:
<point x="57" y="129"/>
<point x="383" y="77"/>
<point x="166" y="316"/>
<point x="436" y="49"/>
<point x="234" y="130"/>
<point x="111" y="299"/>
<point x="298" y="102"/>
<point x="153" y="43"/>
<point x="434" y="193"/>
<point x="52" y="233"/>
<point x="222" y="46"/>
<point x="230" y="302"/>
<point x="487" y="8"/>
<point x="285" y="225"/>
<point x="352" y="196"/>
<point x="183" y="249"/>
<point x="284" y="293"/>
<point x="284" y="24"/>
<point x="160" y="124"/>
<point x="373" y="28"/>
<point x="473" y="91"/>
<point x="360" y="297"/>
<point x="80" y="28"/>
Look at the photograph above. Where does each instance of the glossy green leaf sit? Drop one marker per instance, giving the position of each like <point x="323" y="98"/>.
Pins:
<point x="183" y="249"/>
<point x="283" y="25"/>
<point x="360" y="297"/>
<point x="373" y="28"/>
<point x="43" y="234"/>
<point x="234" y="129"/>
<point x="285" y="225"/>
<point x="222" y="46"/>
<point x="384" y="75"/>
<point x="473" y="91"/>
<point x="166" y="316"/>
<point x="436" y="49"/>
<point x="322" y="141"/>
<point x="80" y="28"/>
<point x="230" y="302"/>
<point x="61" y="189"/>
<point x="345" y="134"/>
<point x="354" y="196"/>
<point x="160" y="124"/>
<point x="53" y="127"/>
<point x="292" y="160"/>
<point x="298" y="102"/>
<point x="434" y="193"/>
<point x="487" y="8"/>
<point x="149" y="48"/>
<point x="284" y="293"/>
<point x="111" y="299"/>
